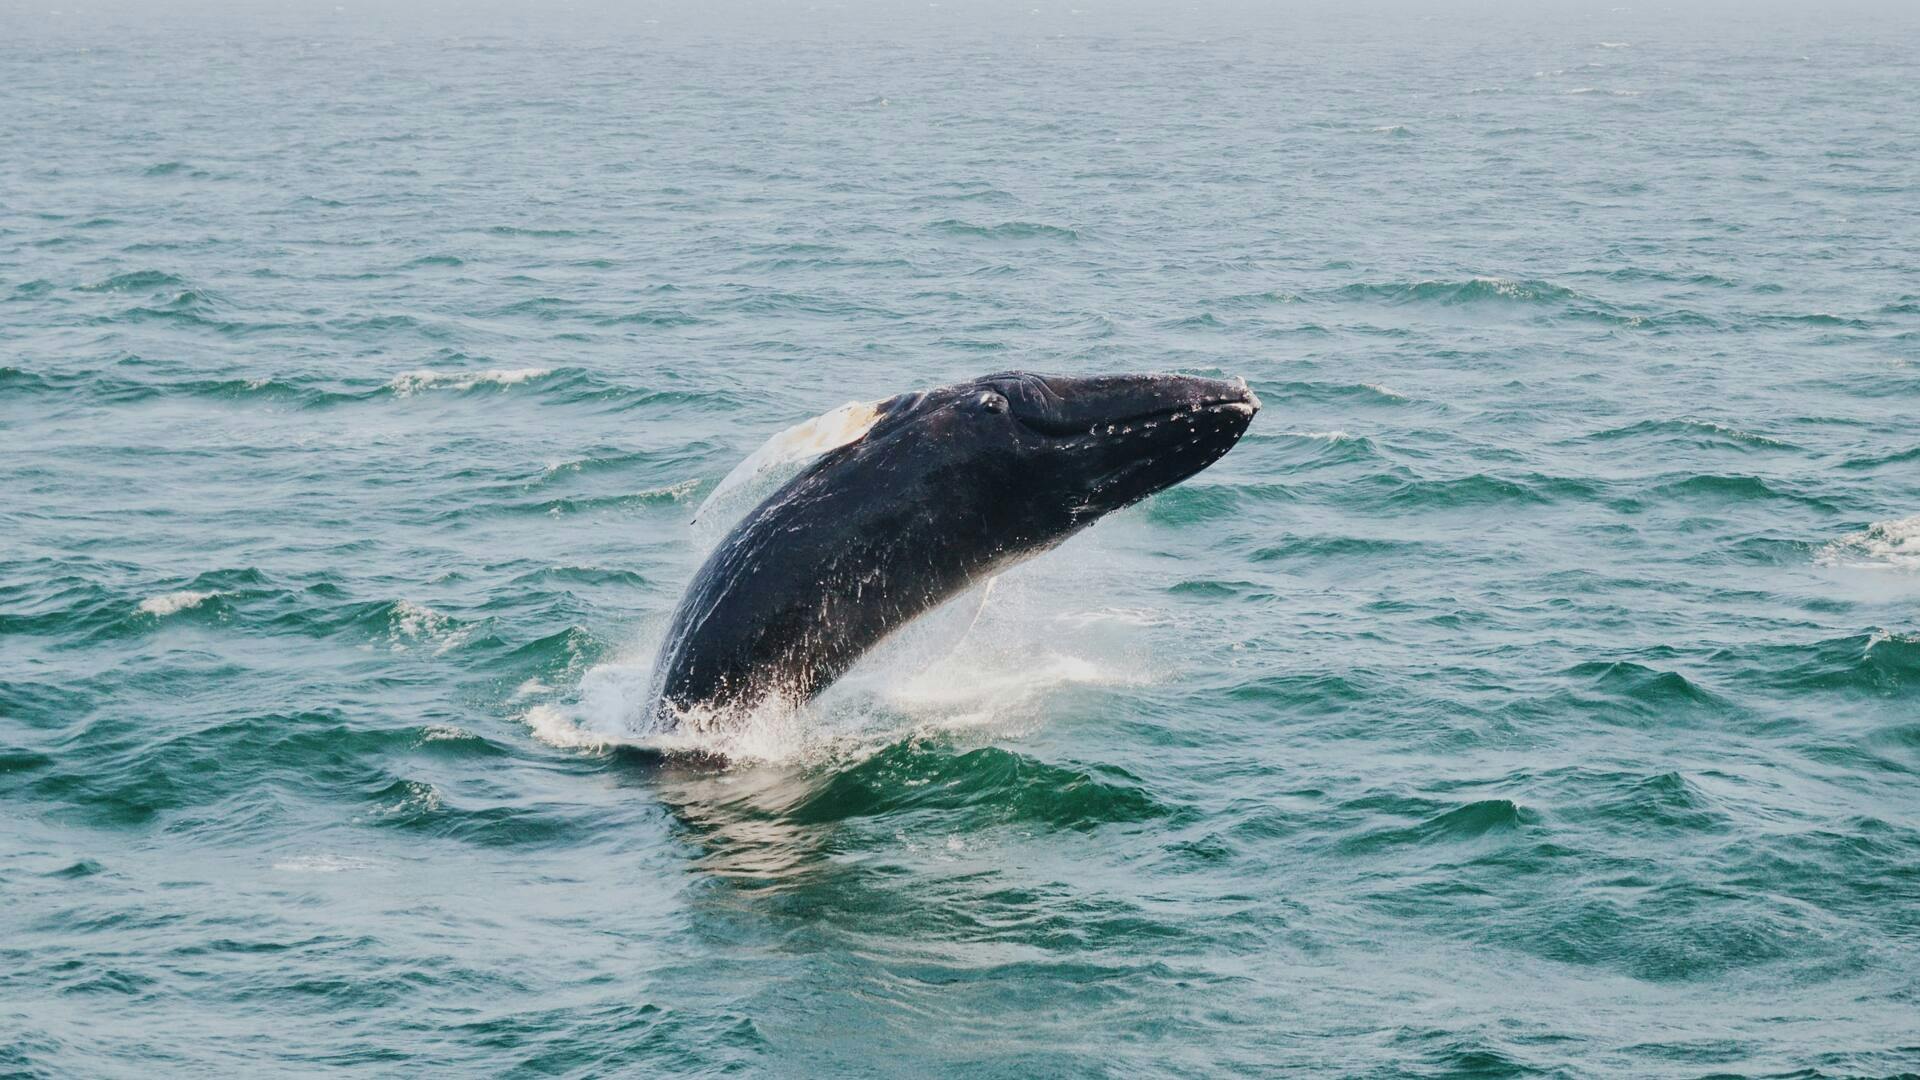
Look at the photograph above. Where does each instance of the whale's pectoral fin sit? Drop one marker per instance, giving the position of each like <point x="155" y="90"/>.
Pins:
<point x="780" y="457"/>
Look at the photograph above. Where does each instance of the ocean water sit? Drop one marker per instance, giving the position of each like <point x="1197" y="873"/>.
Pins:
<point x="1535" y="691"/>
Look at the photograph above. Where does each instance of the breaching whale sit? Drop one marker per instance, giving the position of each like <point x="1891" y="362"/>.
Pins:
<point x="942" y="488"/>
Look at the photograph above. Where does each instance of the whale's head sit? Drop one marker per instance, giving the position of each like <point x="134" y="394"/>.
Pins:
<point x="1033" y="458"/>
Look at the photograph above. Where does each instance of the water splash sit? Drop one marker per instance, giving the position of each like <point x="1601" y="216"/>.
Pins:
<point x="783" y="456"/>
<point x="1884" y="545"/>
<point x="987" y="659"/>
<point x="167" y="603"/>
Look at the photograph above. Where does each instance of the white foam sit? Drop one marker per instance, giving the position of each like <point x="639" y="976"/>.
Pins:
<point x="428" y="379"/>
<point x="420" y="797"/>
<point x="1329" y="436"/>
<point x="1737" y="434"/>
<point x="1615" y="45"/>
<point x="1884" y="545"/>
<point x="411" y="620"/>
<point x="410" y="624"/>
<point x="168" y="603"/>
<point x="1881" y="635"/>
<point x="1385" y="391"/>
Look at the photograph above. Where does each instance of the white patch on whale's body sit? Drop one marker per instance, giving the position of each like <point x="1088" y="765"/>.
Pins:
<point x="781" y="458"/>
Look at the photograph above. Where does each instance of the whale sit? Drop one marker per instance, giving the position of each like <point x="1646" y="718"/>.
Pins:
<point x="917" y="498"/>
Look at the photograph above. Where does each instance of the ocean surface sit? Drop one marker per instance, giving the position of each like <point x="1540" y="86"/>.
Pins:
<point x="1535" y="691"/>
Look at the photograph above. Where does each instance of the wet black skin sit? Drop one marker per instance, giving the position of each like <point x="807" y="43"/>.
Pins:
<point x="949" y="486"/>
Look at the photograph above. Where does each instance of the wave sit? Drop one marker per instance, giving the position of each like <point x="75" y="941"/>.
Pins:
<point x="1338" y="548"/>
<point x="1735" y="488"/>
<point x="1884" y="545"/>
<point x="1478" y="290"/>
<point x="1819" y="319"/>
<point x="651" y="318"/>
<point x="166" y="604"/>
<point x="542" y="308"/>
<point x="983" y="787"/>
<point x="1192" y="504"/>
<point x="402" y="626"/>
<point x="410" y="625"/>
<point x="1875" y="663"/>
<point x="117" y="388"/>
<point x="1270" y="297"/>
<point x="974" y="195"/>
<point x="1647" y="688"/>
<point x="531" y="233"/>
<point x="1006" y="230"/>
<point x="310" y="391"/>
<point x="21" y="380"/>
<point x="1666" y="801"/>
<point x="70" y="600"/>
<point x="419" y="806"/>
<point x="671" y="493"/>
<point x="1486" y="818"/>
<point x="1299" y="451"/>
<point x="1872" y="461"/>
<point x="136" y="280"/>
<point x="1695" y="432"/>
<point x="1347" y="394"/>
<point x="1476" y="490"/>
<point x="414" y="382"/>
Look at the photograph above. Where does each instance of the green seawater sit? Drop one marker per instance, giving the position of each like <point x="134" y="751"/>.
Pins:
<point x="1535" y="691"/>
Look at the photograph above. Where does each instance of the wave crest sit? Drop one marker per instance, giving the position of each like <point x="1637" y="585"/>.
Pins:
<point x="413" y="382"/>
<point x="167" y="603"/>
<point x="1884" y="545"/>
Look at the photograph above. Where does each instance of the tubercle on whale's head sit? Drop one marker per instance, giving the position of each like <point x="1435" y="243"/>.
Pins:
<point x="1053" y="453"/>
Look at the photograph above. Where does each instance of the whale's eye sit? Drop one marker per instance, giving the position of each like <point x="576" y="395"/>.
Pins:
<point x="990" y="402"/>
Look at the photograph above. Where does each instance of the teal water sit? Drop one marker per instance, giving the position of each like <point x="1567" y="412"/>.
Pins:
<point x="1534" y="692"/>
